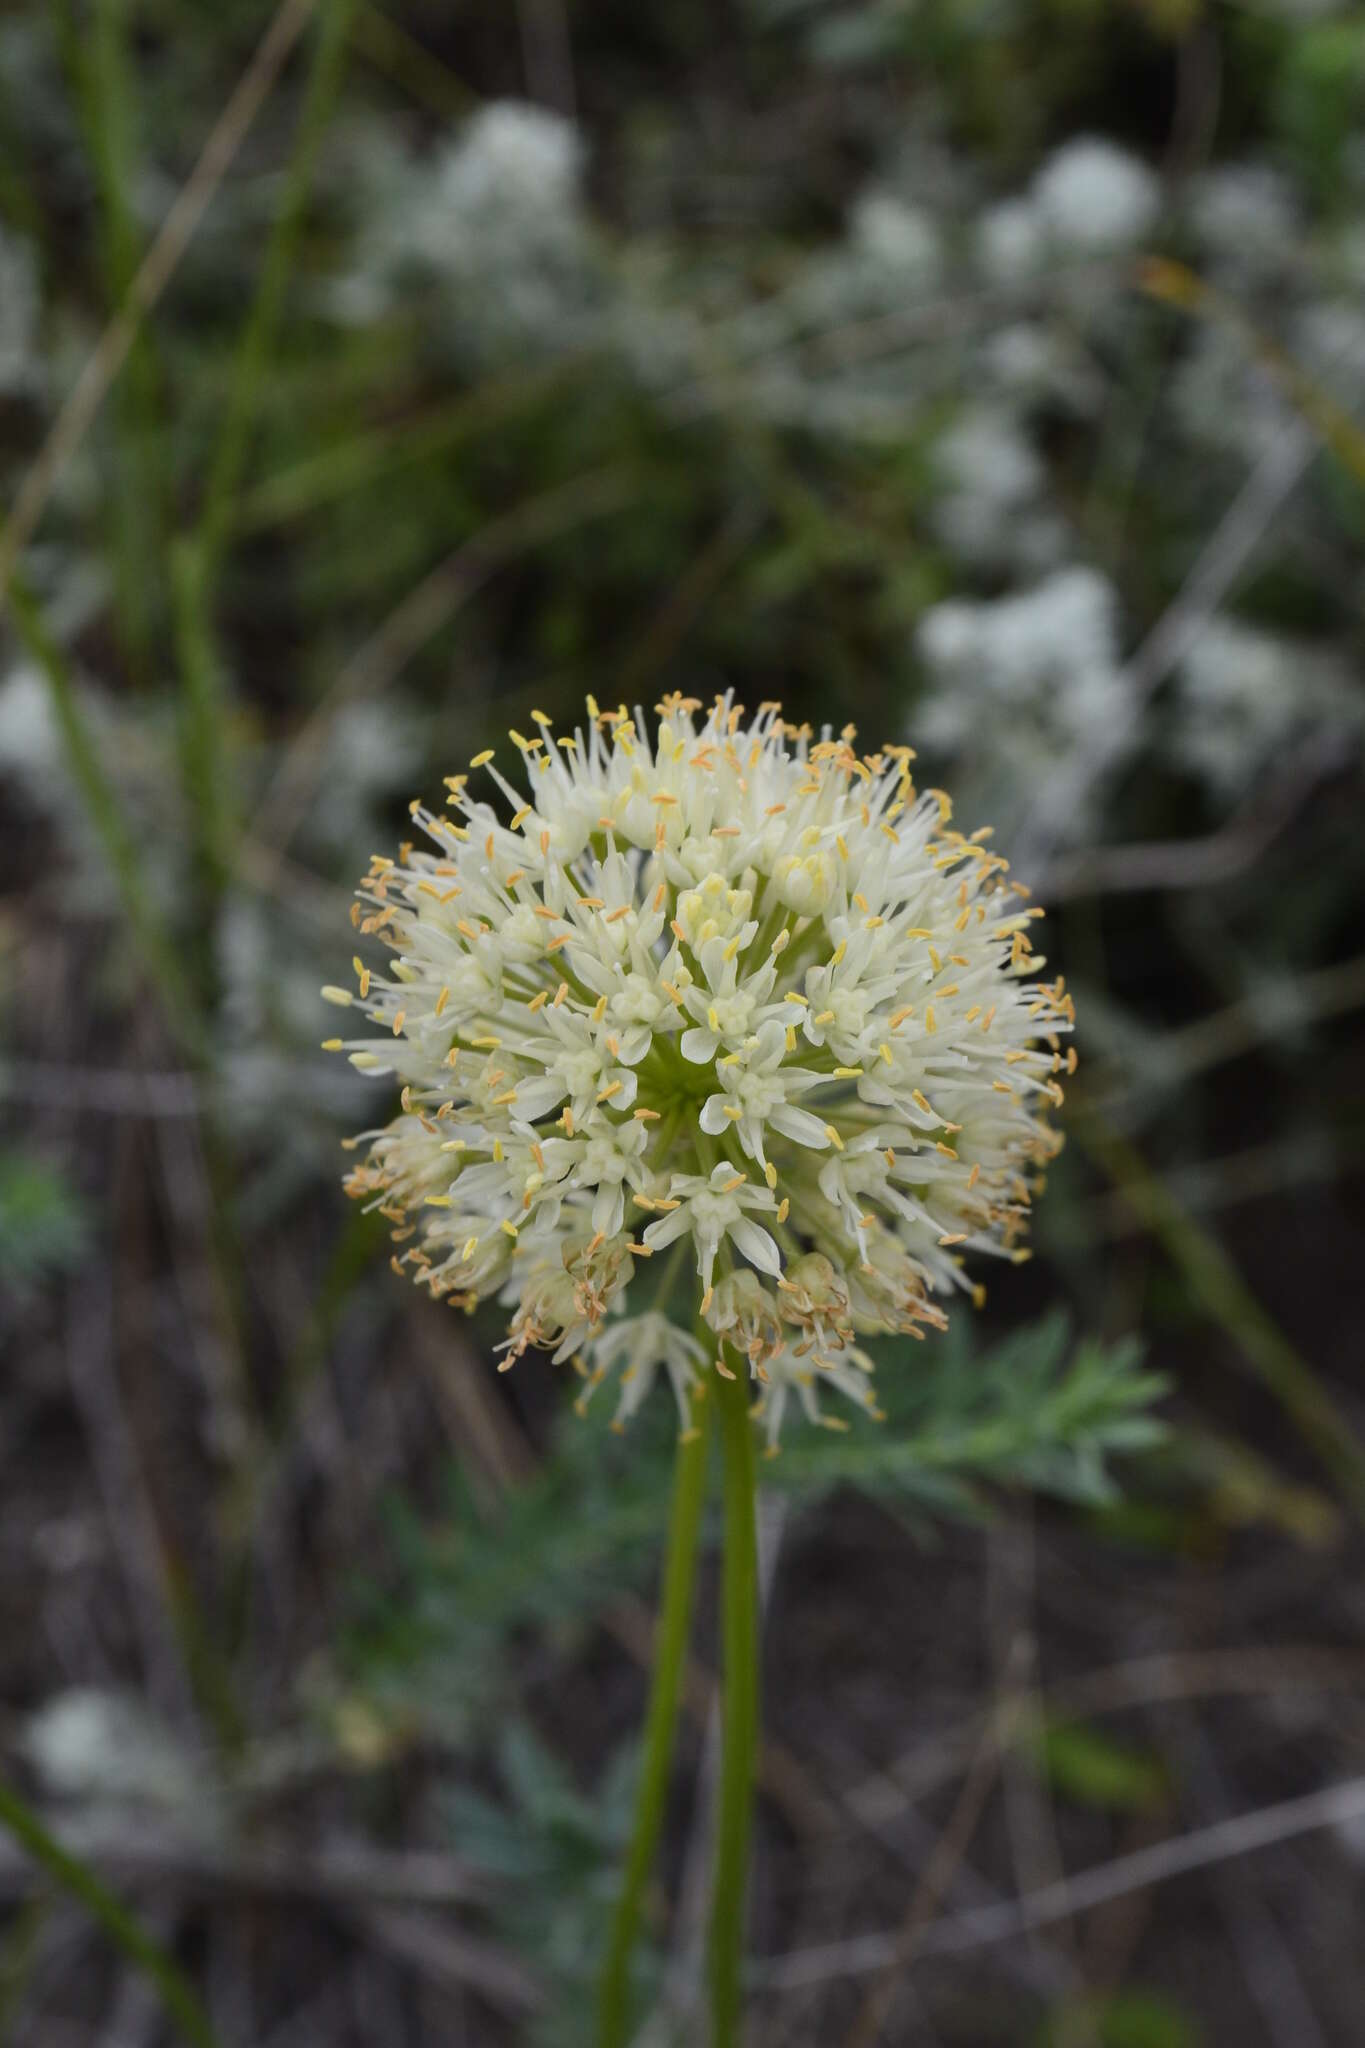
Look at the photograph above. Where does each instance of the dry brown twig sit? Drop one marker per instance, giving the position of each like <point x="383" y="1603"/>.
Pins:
<point x="980" y="1927"/>
<point x="948" y="1852"/>
<point x="1144" y="1681"/>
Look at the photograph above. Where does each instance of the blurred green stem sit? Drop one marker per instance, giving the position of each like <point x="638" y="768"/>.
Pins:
<point x="206" y="741"/>
<point x="153" y="941"/>
<point x="177" y="1993"/>
<point x="277" y="267"/>
<point x="739" y="1743"/>
<point x="95" y="50"/>
<point x="1215" y="1281"/>
<point x="661" y="1721"/>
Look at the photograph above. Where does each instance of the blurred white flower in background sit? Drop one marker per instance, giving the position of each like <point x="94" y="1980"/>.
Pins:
<point x="1095" y="199"/>
<point x="495" y="218"/>
<point x="1244" y="217"/>
<point x="30" y="741"/>
<point x="993" y="510"/>
<point x="1328" y="344"/>
<point x="897" y="241"/>
<point x="1017" y="682"/>
<point x="1245" y="696"/>
<point x="109" y="1749"/>
<point x="1011" y="242"/>
<point x="1223" y="399"/>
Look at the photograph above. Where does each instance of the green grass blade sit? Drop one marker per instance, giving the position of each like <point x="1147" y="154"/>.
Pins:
<point x="154" y="943"/>
<point x="129" y="1937"/>
<point x="253" y="348"/>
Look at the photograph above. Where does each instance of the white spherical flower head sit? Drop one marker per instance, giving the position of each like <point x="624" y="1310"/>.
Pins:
<point x="721" y="995"/>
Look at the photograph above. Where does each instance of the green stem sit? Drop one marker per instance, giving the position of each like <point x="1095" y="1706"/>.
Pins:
<point x="177" y="1994"/>
<point x="739" y="1601"/>
<point x="661" y="1720"/>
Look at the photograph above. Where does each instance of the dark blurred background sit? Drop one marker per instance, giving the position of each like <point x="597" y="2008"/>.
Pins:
<point x="986" y="372"/>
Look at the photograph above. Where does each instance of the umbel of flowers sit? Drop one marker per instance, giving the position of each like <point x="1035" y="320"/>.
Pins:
<point x="719" y="989"/>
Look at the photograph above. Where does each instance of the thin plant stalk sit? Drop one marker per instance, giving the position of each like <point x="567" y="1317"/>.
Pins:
<point x="661" y="1720"/>
<point x="138" y="1948"/>
<point x="739" y="1724"/>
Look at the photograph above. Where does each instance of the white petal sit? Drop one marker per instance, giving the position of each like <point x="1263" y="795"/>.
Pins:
<point x="756" y="1245"/>
<point x="625" y="1094"/>
<point x="800" y="1126"/>
<point x="538" y="1098"/>
<point x="698" y="1046"/>
<point x="713" y="1119"/>
<point x="664" y="1229"/>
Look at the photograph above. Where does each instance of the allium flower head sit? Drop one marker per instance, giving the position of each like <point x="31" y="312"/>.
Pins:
<point x="721" y="995"/>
